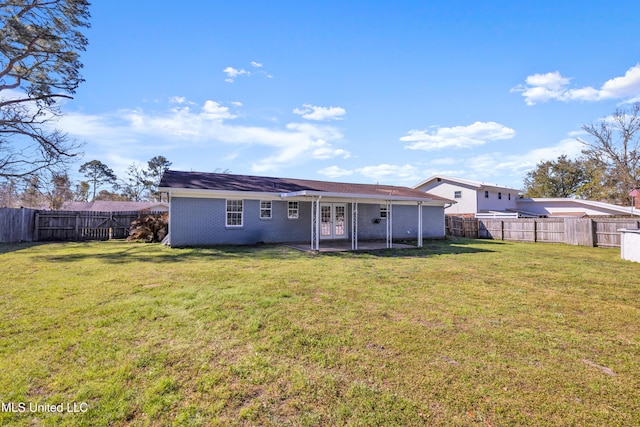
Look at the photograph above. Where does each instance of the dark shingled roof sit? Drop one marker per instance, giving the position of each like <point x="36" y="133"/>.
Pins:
<point x="229" y="182"/>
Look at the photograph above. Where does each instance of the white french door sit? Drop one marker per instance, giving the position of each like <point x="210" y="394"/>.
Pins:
<point x="333" y="224"/>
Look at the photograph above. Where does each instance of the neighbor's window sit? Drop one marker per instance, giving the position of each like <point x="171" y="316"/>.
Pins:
<point x="383" y="211"/>
<point x="293" y="210"/>
<point x="486" y="194"/>
<point x="234" y="213"/>
<point x="457" y="195"/>
<point x="509" y="196"/>
<point x="265" y="209"/>
<point x="499" y="196"/>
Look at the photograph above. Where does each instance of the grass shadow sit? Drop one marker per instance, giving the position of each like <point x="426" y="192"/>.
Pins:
<point x="120" y="252"/>
<point x="454" y="246"/>
<point x="6" y="248"/>
<point x="124" y="253"/>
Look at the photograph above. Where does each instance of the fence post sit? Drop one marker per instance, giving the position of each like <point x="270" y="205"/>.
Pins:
<point x="77" y="227"/>
<point x="535" y="231"/>
<point x="23" y="226"/>
<point x="36" y="226"/>
<point x="502" y="230"/>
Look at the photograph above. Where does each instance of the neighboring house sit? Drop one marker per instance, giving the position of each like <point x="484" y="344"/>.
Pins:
<point x="114" y="206"/>
<point x="216" y="209"/>
<point x="475" y="198"/>
<point x="471" y="197"/>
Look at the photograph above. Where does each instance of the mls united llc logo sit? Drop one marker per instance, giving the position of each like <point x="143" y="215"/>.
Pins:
<point x="22" y="407"/>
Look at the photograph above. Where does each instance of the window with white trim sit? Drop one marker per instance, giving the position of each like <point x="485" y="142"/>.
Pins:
<point x="457" y="194"/>
<point x="293" y="210"/>
<point x="384" y="212"/>
<point x="499" y="196"/>
<point x="265" y="209"/>
<point x="486" y="194"/>
<point x="234" y="213"/>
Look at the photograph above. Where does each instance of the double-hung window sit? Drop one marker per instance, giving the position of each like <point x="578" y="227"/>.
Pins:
<point x="384" y="212"/>
<point x="265" y="209"/>
<point x="293" y="210"/>
<point x="234" y="213"/>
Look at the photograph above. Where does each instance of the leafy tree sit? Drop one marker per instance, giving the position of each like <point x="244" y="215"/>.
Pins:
<point x="615" y="143"/>
<point x="40" y="45"/>
<point x="81" y="193"/>
<point x="559" y="178"/>
<point x="60" y="191"/>
<point x="98" y="174"/>
<point x="110" y="195"/>
<point x="156" y="168"/>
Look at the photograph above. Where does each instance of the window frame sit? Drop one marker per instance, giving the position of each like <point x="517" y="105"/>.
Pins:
<point x="291" y="210"/>
<point x="230" y="213"/>
<point x="384" y="212"/>
<point x="486" y="194"/>
<point x="264" y="209"/>
<point x="457" y="194"/>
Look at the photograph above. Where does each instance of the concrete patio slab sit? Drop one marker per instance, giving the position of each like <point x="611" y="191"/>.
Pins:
<point x="345" y="246"/>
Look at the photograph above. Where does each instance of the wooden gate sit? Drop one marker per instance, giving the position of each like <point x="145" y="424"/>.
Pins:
<point x="75" y="226"/>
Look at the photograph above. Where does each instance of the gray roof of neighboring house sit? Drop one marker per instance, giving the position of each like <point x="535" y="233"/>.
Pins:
<point x="467" y="182"/>
<point x="111" y="206"/>
<point x="229" y="182"/>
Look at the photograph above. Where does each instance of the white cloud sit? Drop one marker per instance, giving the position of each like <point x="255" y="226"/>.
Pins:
<point x="311" y="112"/>
<point x="324" y="150"/>
<point x="492" y="164"/>
<point x="233" y="73"/>
<point x="335" y="172"/>
<point x="478" y="133"/>
<point x="201" y="127"/>
<point x="552" y="86"/>
<point x="379" y="173"/>
<point x="386" y="172"/>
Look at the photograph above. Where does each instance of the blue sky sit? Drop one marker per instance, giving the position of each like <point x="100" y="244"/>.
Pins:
<point x="356" y="91"/>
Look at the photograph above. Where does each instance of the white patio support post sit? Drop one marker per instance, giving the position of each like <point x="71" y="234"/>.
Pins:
<point x="354" y="225"/>
<point x="389" y="225"/>
<point x="420" y="224"/>
<point x="315" y="224"/>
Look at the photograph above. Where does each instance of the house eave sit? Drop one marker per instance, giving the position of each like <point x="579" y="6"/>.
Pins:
<point x="300" y="195"/>
<point x="204" y="193"/>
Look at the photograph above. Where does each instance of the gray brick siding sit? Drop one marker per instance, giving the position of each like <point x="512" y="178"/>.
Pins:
<point x="202" y="222"/>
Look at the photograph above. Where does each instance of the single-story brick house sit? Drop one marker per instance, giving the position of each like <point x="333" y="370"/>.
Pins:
<point x="218" y="209"/>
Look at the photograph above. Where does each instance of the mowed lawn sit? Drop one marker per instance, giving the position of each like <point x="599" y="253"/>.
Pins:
<point x="462" y="332"/>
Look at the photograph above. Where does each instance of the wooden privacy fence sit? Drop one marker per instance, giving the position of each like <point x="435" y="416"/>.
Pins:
<point x="599" y="232"/>
<point x="67" y="225"/>
<point x="16" y="225"/>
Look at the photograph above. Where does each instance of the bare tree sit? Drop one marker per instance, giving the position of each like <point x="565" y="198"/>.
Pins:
<point x="615" y="141"/>
<point x="40" y="45"/>
<point x="135" y="183"/>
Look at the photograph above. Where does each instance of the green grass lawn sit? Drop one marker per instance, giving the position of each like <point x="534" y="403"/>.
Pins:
<point x="461" y="332"/>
